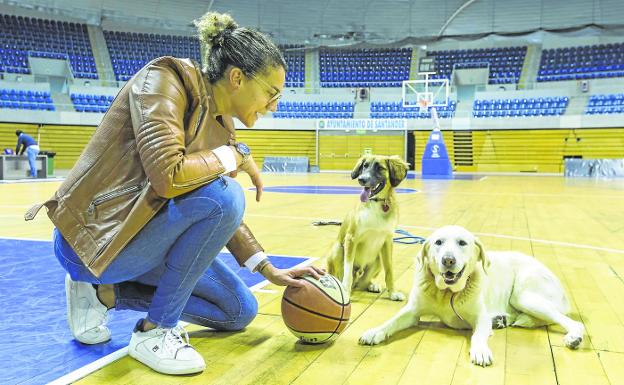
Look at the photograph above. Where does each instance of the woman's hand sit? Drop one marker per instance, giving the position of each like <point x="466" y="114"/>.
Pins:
<point x="286" y="277"/>
<point x="250" y="167"/>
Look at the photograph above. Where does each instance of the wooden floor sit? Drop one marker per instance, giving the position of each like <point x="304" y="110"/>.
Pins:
<point x="575" y="226"/>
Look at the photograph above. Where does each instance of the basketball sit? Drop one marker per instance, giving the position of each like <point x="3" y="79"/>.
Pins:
<point x="317" y="312"/>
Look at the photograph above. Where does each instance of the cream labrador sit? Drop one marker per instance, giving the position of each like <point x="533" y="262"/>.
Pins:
<point x="466" y="288"/>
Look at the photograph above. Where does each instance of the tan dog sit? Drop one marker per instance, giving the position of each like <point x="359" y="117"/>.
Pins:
<point x="467" y="288"/>
<point x="364" y="243"/>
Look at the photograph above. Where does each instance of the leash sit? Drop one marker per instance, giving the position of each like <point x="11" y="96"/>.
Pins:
<point x="406" y="238"/>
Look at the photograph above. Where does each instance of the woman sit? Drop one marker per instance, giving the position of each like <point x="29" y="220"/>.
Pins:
<point x="151" y="202"/>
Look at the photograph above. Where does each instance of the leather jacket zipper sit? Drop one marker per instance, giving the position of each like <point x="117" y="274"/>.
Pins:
<point x="112" y="195"/>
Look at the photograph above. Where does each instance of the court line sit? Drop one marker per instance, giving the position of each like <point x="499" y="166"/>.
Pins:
<point x="116" y="355"/>
<point x="90" y="368"/>
<point x="504" y="236"/>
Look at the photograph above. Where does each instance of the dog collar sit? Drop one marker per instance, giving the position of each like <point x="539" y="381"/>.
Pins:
<point x="385" y="206"/>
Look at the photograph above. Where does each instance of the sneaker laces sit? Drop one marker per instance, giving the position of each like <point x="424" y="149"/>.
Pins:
<point x="176" y="338"/>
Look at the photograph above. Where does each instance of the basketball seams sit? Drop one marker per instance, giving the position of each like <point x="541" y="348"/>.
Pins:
<point x="342" y="308"/>
<point x="314" y="312"/>
<point x="329" y="296"/>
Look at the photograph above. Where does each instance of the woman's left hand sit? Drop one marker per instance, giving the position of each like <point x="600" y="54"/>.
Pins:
<point x="286" y="277"/>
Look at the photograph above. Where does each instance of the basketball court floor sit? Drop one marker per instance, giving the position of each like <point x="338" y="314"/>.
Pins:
<point x="574" y="226"/>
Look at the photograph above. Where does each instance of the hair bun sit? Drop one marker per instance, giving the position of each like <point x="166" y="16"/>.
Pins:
<point x="211" y="27"/>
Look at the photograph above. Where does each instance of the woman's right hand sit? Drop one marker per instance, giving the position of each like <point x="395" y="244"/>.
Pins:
<point x="250" y="167"/>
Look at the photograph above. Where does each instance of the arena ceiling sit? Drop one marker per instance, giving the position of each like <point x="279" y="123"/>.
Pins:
<point x="338" y="22"/>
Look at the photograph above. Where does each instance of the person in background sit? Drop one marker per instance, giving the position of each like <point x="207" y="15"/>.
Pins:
<point x="26" y="143"/>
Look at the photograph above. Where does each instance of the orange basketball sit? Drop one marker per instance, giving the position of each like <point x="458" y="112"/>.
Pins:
<point x="317" y="312"/>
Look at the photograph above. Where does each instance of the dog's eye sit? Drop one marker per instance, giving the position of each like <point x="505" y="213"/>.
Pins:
<point x="438" y="242"/>
<point x="462" y="242"/>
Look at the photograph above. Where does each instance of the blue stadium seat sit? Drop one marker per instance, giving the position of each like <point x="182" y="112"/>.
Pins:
<point x="22" y="37"/>
<point x="364" y="67"/>
<point x="505" y="63"/>
<point x="582" y="62"/>
<point x="524" y="107"/>
<point x="25" y="99"/>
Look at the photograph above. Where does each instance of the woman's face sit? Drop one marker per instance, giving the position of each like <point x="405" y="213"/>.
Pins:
<point x="258" y="94"/>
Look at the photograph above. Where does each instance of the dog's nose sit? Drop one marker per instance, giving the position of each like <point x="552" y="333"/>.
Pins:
<point x="448" y="260"/>
<point x="362" y="180"/>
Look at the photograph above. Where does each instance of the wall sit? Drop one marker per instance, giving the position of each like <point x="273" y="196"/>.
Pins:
<point x="533" y="151"/>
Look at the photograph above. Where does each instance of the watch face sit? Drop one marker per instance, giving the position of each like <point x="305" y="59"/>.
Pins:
<point x="243" y="149"/>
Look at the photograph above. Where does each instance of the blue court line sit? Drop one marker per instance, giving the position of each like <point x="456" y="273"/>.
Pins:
<point x="337" y="190"/>
<point x="37" y="346"/>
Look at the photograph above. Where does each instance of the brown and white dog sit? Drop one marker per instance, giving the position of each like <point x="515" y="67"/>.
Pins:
<point x="467" y="288"/>
<point x="364" y="243"/>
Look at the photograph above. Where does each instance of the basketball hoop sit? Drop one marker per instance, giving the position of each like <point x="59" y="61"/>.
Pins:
<point x="423" y="105"/>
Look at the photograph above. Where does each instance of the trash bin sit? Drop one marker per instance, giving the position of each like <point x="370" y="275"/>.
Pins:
<point x="50" y="156"/>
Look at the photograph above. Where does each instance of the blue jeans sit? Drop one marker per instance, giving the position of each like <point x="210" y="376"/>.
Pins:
<point x="169" y="268"/>
<point x="32" y="153"/>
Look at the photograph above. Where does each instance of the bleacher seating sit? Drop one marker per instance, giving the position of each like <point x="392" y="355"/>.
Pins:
<point x="505" y="63"/>
<point x="391" y="110"/>
<point x="525" y="107"/>
<point x="91" y="103"/>
<point x="605" y="104"/>
<point x="21" y="37"/>
<point x="294" y="56"/>
<point x="26" y="100"/>
<point x="582" y="62"/>
<point x="364" y="67"/>
<point x="314" y="110"/>
<point x="130" y="51"/>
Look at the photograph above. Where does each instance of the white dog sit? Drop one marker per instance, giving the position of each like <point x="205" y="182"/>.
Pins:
<point x="466" y="288"/>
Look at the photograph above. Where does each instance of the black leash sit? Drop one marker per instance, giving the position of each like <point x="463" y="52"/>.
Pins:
<point x="406" y="238"/>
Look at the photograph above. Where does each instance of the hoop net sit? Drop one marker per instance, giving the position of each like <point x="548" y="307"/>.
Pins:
<point x="424" y="104"/>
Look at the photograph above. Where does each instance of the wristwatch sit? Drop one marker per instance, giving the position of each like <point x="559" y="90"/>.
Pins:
<point x="261" y="265"/>
<point x="244" y="150"/>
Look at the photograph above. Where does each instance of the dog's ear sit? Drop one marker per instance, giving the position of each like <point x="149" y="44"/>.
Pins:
<point x="357" y="170"/>
<point x="481" y="255"/>
<point x="422" y="257"/>
<point x="397" y="169"/>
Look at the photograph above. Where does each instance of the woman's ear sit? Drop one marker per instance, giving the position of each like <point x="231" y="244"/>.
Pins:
<point x="236" y="77"/>
<point x="357" y="170"/>
<point x="481" y="255"/>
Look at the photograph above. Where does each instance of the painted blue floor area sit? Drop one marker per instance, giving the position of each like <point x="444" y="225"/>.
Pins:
<point x="37" y="346"/>
<point x="325" y="190"/>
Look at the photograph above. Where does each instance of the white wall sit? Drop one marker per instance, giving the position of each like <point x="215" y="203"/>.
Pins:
<point x="45" y="87"/>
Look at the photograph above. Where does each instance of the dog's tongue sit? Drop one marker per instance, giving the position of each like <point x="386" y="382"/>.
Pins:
<point x="364" y="195"/>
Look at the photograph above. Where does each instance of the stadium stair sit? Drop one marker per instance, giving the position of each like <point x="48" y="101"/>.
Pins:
<point x="62" y="101"/>
<point x="100" y="53"/>
<point x="577" y="105"/>
<point x="530" y="66"/>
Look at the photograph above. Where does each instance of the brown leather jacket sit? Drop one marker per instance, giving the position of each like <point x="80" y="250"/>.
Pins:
<point x="153" y="144"/>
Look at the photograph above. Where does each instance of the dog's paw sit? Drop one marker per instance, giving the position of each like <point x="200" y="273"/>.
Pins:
<point x="397" y="296"/>
<point x="574" y="338"/>
<point x="373" y="337"/>
<point x="374" y="287"/>
<point x="480" y="354"/>
<point x="499" y="322"/>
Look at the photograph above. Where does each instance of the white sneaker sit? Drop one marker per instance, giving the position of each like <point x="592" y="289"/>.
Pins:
<point x="85" y="313"/>
<point x="165" y="350"/>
